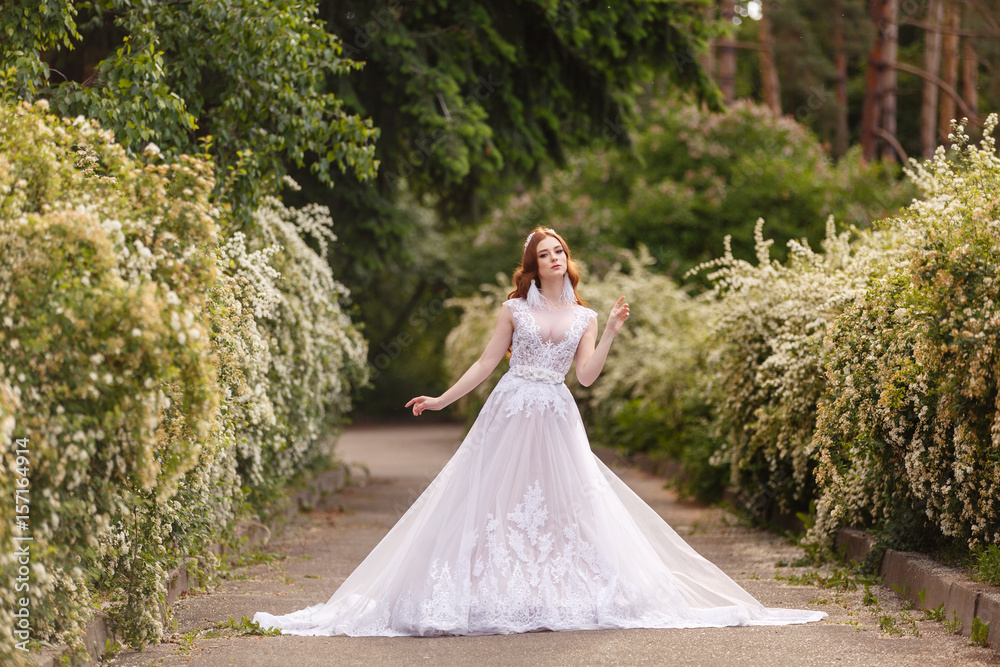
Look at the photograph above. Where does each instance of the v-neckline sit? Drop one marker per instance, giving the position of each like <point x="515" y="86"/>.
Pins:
<point x="538" y="329"/>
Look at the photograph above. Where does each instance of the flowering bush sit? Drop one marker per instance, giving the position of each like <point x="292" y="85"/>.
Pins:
<point x="692" y="177"/>
<point x="315" y="354"/>
<point x="103" y="278"/>
<point x="151" y="366"/>
<point x="910" y="435"/>
<point x="765" y="369"/>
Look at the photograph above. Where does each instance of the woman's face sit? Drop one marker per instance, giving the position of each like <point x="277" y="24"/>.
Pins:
<point x="552" y="258"/>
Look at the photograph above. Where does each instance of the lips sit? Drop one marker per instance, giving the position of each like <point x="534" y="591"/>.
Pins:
<point x="556" y="266"/>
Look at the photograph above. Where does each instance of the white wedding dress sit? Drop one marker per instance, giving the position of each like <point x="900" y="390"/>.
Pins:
<point x="526" y="529"/>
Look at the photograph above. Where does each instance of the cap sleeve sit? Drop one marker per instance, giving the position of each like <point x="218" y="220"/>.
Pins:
<point x="591" y="314"/>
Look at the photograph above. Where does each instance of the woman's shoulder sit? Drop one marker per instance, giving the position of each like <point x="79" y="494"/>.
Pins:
<point x="589" y="313"/>
<point x="516" y="302"/>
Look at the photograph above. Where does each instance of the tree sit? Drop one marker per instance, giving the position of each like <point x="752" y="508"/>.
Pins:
<point x="840" y="86"/>
<point x="725" y="54"/>
<point x="250" y="73"/>
<point x="932" y="65"/>
<point x="771" y="88"/>
<point x="949" y="68"/>
<point x="892" y="150"/>
<point x="879" y="12"/>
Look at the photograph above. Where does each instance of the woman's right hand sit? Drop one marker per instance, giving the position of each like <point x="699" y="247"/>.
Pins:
<point x="421" y="403"/>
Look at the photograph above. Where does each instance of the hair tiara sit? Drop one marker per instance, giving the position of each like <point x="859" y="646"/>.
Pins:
<point x="528" y="240"/>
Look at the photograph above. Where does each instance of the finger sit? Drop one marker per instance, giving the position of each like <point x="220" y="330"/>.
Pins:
<point x="618" y="302"/>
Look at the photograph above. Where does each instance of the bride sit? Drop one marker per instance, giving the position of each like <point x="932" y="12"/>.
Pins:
<point x="525" y="529"/>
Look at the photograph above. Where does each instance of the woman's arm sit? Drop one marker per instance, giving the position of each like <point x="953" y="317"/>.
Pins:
<point x="590" y="360"/>
<point x="478" y="372"/>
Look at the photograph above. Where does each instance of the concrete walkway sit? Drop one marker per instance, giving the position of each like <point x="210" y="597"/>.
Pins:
<point x="319" y="549"/>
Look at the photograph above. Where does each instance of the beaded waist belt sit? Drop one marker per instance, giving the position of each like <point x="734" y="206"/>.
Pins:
<point x="538" y="374"/>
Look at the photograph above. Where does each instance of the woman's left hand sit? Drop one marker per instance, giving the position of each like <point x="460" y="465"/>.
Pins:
<point x="619" y="313"/>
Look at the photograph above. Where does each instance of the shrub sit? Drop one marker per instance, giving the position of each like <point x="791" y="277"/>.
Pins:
<point x="156" y="370"/>
<point x="691" y="178"/>
<point x="103" y="282"/>
<point x="911" y="432"/>
<point x="765" y="371"/>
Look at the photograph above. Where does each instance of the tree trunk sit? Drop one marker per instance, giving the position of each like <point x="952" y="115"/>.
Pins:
<point x="949" y="68"/>
<point x="932" y="64"/>
<point x="725" y="56"/>
<point x="871" y="111"/>
<point x="889" y="78"/>
<point x="841" y="138"/>
<point x="970" y="77"/>
<point x="707" y="57"/>
<point x="768" y="70"/>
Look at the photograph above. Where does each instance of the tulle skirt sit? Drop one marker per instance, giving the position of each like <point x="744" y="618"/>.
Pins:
<point x="526" y="529"/>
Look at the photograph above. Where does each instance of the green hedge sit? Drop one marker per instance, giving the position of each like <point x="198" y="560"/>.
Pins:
<point x="909" y="437"/>
<point x="162" y="369"/>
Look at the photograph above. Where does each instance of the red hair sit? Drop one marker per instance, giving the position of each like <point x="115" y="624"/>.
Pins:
<point x="528" y="269"/>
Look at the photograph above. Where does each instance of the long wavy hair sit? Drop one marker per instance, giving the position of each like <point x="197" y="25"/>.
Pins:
<point x="528" y="269"/>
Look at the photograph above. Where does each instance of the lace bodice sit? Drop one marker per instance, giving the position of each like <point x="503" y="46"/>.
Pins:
<point x="545" y="340"/>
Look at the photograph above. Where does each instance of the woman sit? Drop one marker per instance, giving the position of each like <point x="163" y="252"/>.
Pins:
<point x="525" y="529"/>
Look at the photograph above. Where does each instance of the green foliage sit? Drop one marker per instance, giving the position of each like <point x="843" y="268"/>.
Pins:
<point x="768" y="324"/>
<point x="692" y="178"/>
<point x="466" y="90"/>
<point x="28" y="27"/>
<point x="907" y="438"/>
<point x="954" y="624"/>
<point x="105" y="271"/>
<point x="250" y="74"/>
<point x="987" y="563"/>
<point x="980" y="634"/>
<point x="247" y="627"/>
<point x="472" y="99"/>
<point x="156" y="370"/>
<point x="935" y="614"/>
<point x="839" y="578"/>
<point x="737" y="400"/>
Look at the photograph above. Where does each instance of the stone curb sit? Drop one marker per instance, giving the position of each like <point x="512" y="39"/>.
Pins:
<point x="914" y="575"/>
<point x="910" y="573"/>
<point x="251" y="534"/>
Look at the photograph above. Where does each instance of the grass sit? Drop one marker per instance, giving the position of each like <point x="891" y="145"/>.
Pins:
<point x="839" y="578"/>
<point x="935" y="614"/>
<point x="186" y="642"/>
<point x="987" y="564"/>
<point x="954" y="626"/>
<point x="242" y="628"/>
<point x="980" y="633"/>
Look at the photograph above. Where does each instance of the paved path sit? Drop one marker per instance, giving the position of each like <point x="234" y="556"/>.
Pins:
<point x="319" y="549"/>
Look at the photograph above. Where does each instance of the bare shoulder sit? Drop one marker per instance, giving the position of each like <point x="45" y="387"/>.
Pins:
<point x="506" y="311"/>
